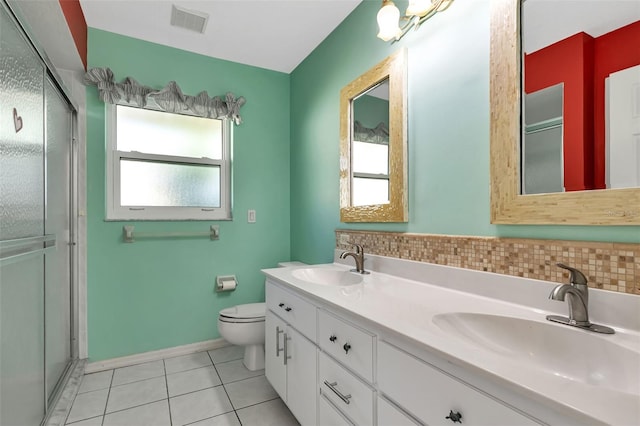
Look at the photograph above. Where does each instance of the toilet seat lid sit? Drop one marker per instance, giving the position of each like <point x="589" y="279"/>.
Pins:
<point x="246" y="311"/>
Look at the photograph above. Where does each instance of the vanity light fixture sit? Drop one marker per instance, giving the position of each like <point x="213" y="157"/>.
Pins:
<point x="417" y="12"/>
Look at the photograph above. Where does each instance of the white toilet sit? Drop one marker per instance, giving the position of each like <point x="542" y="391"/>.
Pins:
<point x="243" y="325"/>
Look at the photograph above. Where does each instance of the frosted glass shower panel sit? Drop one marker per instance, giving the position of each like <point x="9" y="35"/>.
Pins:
<point x="57" y="222"/>
<point x="542" y="170"/>
<point x="21" y="136"/>
<point x="22" y="341"/>
<point x="149" y="183"/>
<point x="155" y="132"/>
<point x="35" y="178"/>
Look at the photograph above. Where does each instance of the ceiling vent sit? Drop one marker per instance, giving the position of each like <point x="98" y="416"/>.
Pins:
<point x="188" y="19"/>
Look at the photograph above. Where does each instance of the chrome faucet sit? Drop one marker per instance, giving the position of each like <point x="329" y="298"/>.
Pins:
<point x="358" y="256"/>
<point x="576" y="293"/>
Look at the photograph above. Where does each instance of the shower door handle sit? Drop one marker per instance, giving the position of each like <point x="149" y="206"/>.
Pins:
<point x="17" y="250"/>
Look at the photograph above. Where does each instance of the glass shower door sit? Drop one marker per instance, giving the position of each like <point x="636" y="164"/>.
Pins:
<point x="57" y="285"/>
<point x="22" y="244"/>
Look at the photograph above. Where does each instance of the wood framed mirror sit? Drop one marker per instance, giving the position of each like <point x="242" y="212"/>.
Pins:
<point x="373" y="144"/>
<point x="508" y="205"/>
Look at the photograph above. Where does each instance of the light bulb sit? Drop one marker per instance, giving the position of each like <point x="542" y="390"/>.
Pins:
<point x="388" y="18"/>
<point x="418" y="7"/>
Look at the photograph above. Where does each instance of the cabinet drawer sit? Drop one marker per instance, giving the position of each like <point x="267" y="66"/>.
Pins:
<point x="328" y="415"/>
<point x="430" y="394"/>
<point x="389" y="415"/>
<point x="350" y="345"/>
<point x="294" y="310"/>
<point x="358" y="402"/>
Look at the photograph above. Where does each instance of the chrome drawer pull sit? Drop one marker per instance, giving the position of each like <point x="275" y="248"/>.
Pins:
<point x="278" y="349"/>
<point x="332" y="386"/>
<point x="286" y="347"/>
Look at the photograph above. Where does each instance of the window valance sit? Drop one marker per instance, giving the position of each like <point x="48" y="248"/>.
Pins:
<point x="379" y="134"/>
<point x="170" y="98"/>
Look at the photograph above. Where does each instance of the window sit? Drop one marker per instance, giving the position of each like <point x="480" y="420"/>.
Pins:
<point x="370" y="173"/>
<point x="164" y="166"/>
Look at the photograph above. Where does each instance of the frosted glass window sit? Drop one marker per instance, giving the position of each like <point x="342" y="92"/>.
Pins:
<point x="145" y="183"/>
<point x="370" y="158"/>
<point x="156" y="132"/>
<point x="368" y="191"/>
<point x="165" y="166"/>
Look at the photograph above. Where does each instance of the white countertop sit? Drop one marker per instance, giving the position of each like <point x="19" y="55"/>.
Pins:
<point x="407" y="307"/>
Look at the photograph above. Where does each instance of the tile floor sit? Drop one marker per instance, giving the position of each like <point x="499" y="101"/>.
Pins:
<point x="205" y="389"/>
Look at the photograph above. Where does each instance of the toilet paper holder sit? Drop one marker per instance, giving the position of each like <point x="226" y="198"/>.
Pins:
<point x="226" y="282"/>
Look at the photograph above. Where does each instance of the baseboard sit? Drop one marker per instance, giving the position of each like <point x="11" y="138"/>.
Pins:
<point x="125" y="361"/>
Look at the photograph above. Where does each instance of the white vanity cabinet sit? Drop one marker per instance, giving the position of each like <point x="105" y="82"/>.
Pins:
<point x="413" y="343"/>
<point x="333" y="368"/>
<point x="290" y="355"/>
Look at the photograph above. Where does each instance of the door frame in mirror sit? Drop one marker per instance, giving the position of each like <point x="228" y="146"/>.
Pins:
<point x="394" y="68"/>
<point x="593" y="207"/>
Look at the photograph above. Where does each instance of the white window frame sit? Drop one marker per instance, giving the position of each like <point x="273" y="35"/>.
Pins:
<point x="115" y="211"/>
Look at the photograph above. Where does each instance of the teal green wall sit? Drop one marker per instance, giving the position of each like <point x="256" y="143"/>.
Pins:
<point x="448" y="110"/>
<point x="159" y="293"/>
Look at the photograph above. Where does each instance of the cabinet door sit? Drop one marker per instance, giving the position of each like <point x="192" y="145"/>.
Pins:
<point x="275" y="368"/>
<point x="301" y="377"/>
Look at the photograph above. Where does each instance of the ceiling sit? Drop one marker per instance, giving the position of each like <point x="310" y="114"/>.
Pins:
<point x="548" y="21"/>
<point x="272" y="34"/>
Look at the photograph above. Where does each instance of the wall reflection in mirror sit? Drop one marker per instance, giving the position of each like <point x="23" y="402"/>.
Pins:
<point x="581" y="100"/>
<point x="370" y="147"/>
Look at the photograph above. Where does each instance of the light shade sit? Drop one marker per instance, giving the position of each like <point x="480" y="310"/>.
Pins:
<point x="418" y="7"/>
<point x="388" y="18"/>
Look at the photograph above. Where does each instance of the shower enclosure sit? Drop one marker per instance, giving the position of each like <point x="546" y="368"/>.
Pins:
<point x="37" y="225"/>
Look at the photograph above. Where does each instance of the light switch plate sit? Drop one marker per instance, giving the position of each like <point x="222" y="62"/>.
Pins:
<point x="251" y="216"/>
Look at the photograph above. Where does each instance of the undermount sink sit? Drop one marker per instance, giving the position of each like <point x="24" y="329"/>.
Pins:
<point x="327" y="276"/>
<point x="559" y="350"/>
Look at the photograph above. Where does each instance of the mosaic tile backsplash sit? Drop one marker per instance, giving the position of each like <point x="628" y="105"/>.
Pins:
<point x="608" y="266"/>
